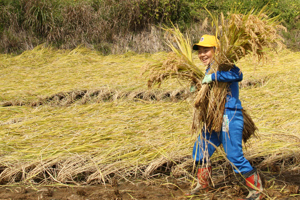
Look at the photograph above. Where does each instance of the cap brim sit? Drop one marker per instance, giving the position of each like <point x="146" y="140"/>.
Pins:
<point x="196" y="46"/>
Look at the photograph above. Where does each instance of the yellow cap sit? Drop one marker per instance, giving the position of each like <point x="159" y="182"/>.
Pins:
<point x="206" y="41"/>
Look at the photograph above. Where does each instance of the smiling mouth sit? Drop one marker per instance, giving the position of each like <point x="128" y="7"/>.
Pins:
<point x="204" y="59"/>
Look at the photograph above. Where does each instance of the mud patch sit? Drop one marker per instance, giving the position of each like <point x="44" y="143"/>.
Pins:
<point x="140" y="190"/>
<point x="276" y="186"/>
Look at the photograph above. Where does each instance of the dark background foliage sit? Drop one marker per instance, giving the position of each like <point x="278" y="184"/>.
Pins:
<point x="118" y="26"/>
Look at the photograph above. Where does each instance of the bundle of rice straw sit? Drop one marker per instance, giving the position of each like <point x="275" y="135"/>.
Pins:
<point x="239" y="35"/>
<point x="179" y="63"/>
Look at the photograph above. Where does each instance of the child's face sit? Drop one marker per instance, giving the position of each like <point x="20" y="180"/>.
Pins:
<point x="206" y="54"/>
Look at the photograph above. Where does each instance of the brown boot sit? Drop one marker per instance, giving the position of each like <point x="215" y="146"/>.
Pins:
<point x="254" y="183"/>
<point x="203" y="177"/>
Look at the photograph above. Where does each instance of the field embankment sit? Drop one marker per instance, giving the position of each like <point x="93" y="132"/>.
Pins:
<point x="89" y="139"/>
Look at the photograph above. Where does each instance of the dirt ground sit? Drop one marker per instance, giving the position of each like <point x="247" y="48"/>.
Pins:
<point x="278" y="185"/>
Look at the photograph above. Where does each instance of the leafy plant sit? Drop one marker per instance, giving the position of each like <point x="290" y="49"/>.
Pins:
<point x="38" y="15"/>
<point x="113" y="21"/>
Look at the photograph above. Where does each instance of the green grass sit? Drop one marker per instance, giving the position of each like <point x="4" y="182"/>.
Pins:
<point x="90" y="142"/>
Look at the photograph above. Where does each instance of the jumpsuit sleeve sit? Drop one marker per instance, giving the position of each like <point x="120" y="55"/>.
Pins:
<point x="233" y="75"/>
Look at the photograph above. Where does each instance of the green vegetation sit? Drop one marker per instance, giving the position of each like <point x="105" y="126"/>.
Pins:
<point x="116" y="26"/>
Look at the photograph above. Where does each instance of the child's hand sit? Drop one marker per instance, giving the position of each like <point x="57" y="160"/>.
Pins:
<point x="207" y="79"/>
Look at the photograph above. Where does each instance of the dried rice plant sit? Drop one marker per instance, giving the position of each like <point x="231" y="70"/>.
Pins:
<point x="89" y="143"/>
<point x="249" y="126"/>
<point x="247" y="34"/>
<point x="239" y="35"/>
<point x="179" y="63"/>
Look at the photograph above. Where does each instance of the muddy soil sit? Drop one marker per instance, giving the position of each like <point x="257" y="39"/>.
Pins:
<point x="123" y="191"/>
<point x="278" y="185"/>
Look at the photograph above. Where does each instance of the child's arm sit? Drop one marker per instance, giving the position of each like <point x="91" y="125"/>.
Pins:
<point x="233" y="75"/>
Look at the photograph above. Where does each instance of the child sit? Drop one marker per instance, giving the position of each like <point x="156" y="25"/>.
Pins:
<point x="232" y="128"/>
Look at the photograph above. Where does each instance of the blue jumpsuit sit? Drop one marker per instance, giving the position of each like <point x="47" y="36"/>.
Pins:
<point x="232" y="127"/>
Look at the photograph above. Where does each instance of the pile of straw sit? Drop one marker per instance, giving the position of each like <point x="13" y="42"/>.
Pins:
<point x="86" y="143"/>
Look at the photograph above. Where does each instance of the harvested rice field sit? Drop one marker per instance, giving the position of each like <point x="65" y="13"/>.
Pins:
<point x="79" y="125"/>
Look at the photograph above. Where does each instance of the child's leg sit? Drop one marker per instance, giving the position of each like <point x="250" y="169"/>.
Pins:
<point x="232" y="140"/>
<point x="204" y="147"/>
